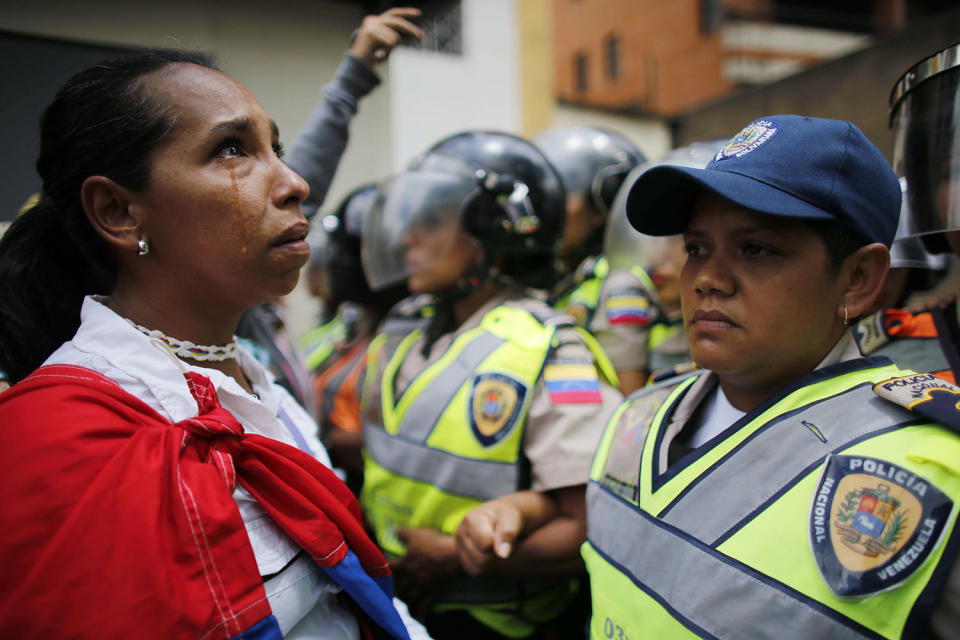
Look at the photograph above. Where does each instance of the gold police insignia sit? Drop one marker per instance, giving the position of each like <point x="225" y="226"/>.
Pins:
<point x="873" y="524"/>
<point x="754" y="135"/>
<point x="926" y="394"/>
<point x="495" y="403"/>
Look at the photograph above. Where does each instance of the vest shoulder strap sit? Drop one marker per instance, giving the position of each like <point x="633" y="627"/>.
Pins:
<point x="408" y="315"/>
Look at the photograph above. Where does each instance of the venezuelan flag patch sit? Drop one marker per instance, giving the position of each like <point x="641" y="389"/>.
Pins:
<point x="569" y="383"/>
<point x="628" y="307"/>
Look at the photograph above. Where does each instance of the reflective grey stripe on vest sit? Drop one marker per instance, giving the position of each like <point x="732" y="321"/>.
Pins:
<point x="773" y="457"/>
<point x="402" y="325"/>
<point x="922" y="355"/>
<point x="425" y="410"/>
<point x="478" y="479"/>
<point x="333" y="386"/>
<point x="700" y="587"/>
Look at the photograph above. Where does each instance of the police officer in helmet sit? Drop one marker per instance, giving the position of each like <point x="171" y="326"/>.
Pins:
<point x="593" y="163"/>
<point x="616" y="306"/>
<point x="482" y="404"/>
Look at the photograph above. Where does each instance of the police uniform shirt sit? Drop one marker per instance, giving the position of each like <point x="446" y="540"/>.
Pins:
<point x="622" y="321"/>
<point x="560" y="438"/>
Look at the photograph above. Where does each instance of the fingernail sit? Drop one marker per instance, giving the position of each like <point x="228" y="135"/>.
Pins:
<point x="504" y="549"/>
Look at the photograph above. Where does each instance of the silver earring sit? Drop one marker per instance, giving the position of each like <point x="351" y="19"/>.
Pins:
<point x="143" y="246"/>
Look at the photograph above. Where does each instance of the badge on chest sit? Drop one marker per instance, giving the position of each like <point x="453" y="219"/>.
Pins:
<point x="872" y="524"/>
<point x="495" y="404"/>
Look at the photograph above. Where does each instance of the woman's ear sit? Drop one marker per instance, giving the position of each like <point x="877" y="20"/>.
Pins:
<point x="108" y="209"/>
<point x="864" y="271"/>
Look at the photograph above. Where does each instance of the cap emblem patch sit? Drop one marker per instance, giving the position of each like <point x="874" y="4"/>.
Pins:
<point x="752" y="137"/>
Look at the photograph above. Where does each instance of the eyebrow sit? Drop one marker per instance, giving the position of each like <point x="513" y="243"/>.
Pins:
<point x="241" y="125"/>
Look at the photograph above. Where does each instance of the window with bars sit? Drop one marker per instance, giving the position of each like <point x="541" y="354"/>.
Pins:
<point x="580" y="71"/>
<point x="442" y="25"/>
<point x="613" y="56"/>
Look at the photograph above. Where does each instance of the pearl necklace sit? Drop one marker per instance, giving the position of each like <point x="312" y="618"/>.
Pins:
<point x="187" y="349"/>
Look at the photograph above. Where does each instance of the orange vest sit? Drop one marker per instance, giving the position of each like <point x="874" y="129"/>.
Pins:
<point x="919" y="341"/>
<point x="338" y="389"/>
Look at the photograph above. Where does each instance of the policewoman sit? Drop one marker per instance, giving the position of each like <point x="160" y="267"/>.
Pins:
<point x="476" y="390"/>
<point x="617" y="306"/>
<point x="925" y="117"/>
<point x="790" y="488"/>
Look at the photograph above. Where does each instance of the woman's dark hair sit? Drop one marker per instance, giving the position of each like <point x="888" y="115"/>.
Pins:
<point x="102" y="122"/>
<point x="839" y="241"/>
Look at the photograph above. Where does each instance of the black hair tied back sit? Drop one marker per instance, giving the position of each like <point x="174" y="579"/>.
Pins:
<point x="101" y="122"/>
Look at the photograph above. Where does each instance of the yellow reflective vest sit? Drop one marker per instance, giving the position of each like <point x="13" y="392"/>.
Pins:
<point x="321" y="343"/>
<point x="453" y="440"/>
<point x="826" y="512"/>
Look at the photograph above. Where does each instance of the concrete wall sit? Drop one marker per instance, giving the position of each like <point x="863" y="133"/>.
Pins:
<point x="855" y="87"/>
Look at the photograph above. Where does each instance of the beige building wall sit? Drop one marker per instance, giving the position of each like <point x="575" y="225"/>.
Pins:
<point x="283" y="51"/>
<point x="535" y="34"/>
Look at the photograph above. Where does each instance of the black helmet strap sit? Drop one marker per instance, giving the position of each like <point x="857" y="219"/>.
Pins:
<point x="442" y="320"/>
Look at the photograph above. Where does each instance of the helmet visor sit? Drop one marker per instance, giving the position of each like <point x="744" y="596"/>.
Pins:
<point x="414" y="223"/>
<point x="321" y="245"/>
<point x="624" y="246"/>
<point x="926" y="125"/>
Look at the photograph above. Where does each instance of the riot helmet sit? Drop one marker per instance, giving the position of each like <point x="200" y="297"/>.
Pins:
<point x="335" y="245"/>
<point x="623" y="245"/>
<point x="592" y="162"/>
<point x="498" y="188"/>
<point x="907" y="250"/>
<point x="925" y="118"/>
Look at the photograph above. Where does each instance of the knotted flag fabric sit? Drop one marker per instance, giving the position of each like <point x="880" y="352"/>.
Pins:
<point x="120" y="523"/>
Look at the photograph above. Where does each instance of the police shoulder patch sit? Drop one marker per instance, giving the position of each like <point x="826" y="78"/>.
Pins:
<point x="926" y="394"/>
<point x="495" y="404"/>
<point x="872" y="524"/>
<point x="752" y="137"/>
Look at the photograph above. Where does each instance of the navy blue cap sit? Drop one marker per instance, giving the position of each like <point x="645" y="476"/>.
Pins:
<point x="785" y="165"/>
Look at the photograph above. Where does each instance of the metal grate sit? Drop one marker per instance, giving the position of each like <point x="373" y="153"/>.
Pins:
<point x="442" y="24"/>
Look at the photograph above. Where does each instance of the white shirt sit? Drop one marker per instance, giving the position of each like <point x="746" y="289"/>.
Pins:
<point x="302" y="597"/>
<point x="718" y="415"/>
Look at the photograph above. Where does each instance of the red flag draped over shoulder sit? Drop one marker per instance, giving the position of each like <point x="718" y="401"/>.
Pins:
<point x="119" y="523"/>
